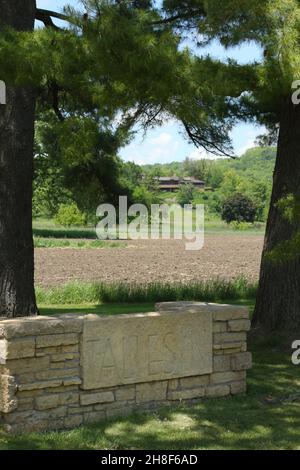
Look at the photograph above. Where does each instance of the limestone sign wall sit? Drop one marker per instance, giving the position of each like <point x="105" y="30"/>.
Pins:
<point x="128" y="349"/>
<point x="60" y="372"/>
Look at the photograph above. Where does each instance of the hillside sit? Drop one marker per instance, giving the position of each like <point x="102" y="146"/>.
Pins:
<point x="250" y="174"/>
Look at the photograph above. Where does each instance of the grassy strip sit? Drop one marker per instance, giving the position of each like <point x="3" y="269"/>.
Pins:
<point x="98" y="309"/>
<point x="93" y="293"/>
<point x="267" y="417"/>
<point x="65" y="243"/>
<point x="64" y="233"/>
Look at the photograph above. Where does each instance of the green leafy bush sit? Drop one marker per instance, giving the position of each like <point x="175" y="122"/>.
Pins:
<point x="186" y="194"/>
<point x="238" y="208"/>
<point x="69" y="214"/>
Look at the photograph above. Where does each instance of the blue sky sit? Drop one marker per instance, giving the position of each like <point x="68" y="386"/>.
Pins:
<point x="168" y="142"/>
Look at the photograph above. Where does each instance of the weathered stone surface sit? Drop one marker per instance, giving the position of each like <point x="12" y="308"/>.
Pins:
<point x="186" y="394"/>
<point x="153" y="391"/>
<point x="16" y="349"/>
<point x="221" y="363"/>
<point x="220" y="327"/>
<point x="40" y="385"/>
<point x="224" y="377"/>
<point x="8" y="389"/>
<point x="45" y="341"/>
<point x="46" y="402"/>
<point x="217" y="390"/>
<point x="221" y="338"/>
<point x="34" y="326"/>
<point x="57" y="374"/>
<point x="193" y="382"/>
<point x="64" y="357"/>
<point x="28" y="365"/>
<point x="173" y="384"/>
<point x="98" y="397"/>
<point x="25" y="404"/>
<point x="239" y="325"/>
<point x="229" y="348"/>
<point x="220" y="312"/>
<point x="241" y="361"/>
<point x="125" y="393"/>
<point x="238" y="387"/>
<point x="127" y="349"/>
<point x="72" y="381"/>
<point x="230" y="312"/>
<point x="3" y="344"/>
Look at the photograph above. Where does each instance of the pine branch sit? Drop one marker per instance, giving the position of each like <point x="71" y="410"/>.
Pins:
<point x="190" y="15"/>
<point x="46" y="17"/>
<point x="200" y="141"/>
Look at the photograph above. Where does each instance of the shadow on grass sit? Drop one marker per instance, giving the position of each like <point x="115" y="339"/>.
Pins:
<point x="267" y="417"/>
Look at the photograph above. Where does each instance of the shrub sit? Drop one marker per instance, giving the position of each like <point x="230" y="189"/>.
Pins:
<point x="238" y="208"/>
<point x="186" y="194"/>
<point x="69" y="214"/>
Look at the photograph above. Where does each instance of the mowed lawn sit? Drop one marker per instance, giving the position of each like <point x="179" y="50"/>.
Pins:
<point x="267" y="417"/>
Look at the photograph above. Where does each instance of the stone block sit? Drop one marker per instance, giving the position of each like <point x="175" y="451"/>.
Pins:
<point x="217" y="390"/>
<point x="45" y="341"/>
<point x="221" y="338"/>
<point x="221" y="363"/>
<point x="125" y="393"/>
<point x="97" y="397"/>
<point x="230" y="312"/>
<point x="241" y="361"/>
<point x="194" y="382"/>
<point x="16" y="348"/>
<point x="225" y="377"/>
<point x="239" y="325"/>
<point x="40" y="385"/>
<point x="119" y="349"/>
<point x="8" y="389"/>
<point x="41" y="325"/>
<point x="28" y="365"/>
<point x="152" y="391"/>
<point x="219" y="326"/>
<point x="57" y="374"/>
<point x="186" y="394"/>
<point x="46" y="402"/>
<point x="72" y="381"/>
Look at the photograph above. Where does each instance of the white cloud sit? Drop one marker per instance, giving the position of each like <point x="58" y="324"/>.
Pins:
<point x="164" y="138"/>
<point x="200" y="154"/>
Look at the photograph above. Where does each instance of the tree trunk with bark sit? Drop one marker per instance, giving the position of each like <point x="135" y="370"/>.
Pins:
<point x="17" y="296"/>
<point x="278" y="298"/>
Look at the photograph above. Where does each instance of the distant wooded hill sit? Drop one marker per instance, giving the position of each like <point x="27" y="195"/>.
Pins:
<point x="250" y="174"/>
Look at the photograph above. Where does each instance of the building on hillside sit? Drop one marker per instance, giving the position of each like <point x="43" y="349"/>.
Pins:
<point x="172" y="183"/>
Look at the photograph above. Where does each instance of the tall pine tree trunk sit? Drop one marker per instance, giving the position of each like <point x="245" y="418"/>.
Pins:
<point x="17" y="297"/>
<point x="278" y="298"/>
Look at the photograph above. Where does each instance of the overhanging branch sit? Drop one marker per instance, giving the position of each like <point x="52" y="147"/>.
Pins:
<point x="46" y="17"/>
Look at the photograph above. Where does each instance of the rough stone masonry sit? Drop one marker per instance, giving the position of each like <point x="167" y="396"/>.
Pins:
<point x="63" y="371"/>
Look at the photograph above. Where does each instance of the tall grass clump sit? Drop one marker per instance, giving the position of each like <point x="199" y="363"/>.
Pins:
<point x="209" y="291"/>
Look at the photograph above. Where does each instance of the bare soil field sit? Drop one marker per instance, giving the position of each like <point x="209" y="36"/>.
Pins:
<point x="143" y="261"/>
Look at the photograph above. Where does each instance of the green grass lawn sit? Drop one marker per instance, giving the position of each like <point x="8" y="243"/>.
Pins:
<point x="46" y="228"/>
<point x="99" y="309"/>
<point x="267" y="417"/>
<point x="52" y="242"/>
